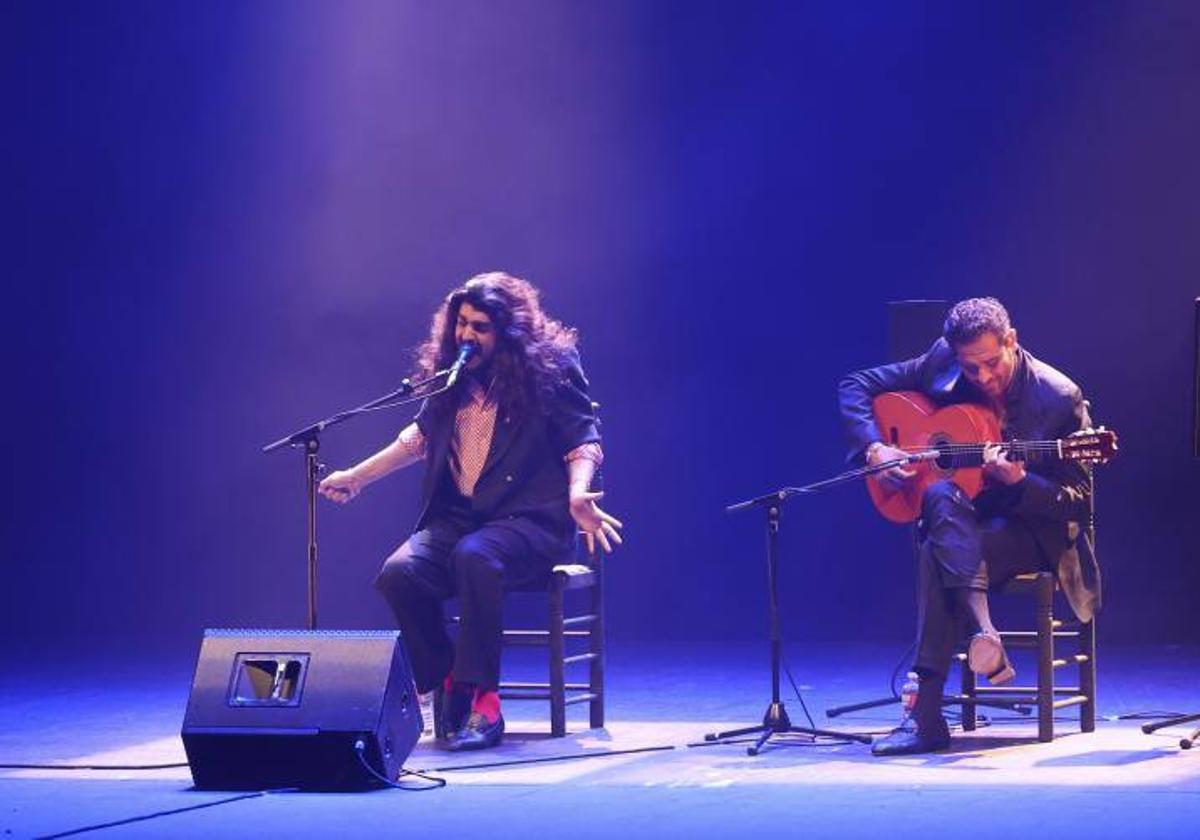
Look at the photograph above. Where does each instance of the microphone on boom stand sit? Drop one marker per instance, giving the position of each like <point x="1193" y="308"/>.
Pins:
<point x="465" y="352"/>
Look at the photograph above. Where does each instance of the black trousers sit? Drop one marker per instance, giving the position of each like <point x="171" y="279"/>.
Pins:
<point x="962" y="545"/>
<point x="477" y="562"/>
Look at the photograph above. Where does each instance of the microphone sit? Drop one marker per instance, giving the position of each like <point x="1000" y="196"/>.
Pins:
<point x="465" y="352"/>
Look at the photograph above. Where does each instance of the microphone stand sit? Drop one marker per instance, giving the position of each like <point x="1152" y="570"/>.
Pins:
<point x="775" y="720"/>
<point x="1184" y="743"/>
<point x="309" y="438"/>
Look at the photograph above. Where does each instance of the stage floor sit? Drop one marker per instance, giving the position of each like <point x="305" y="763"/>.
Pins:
<point x="112" y="709"/>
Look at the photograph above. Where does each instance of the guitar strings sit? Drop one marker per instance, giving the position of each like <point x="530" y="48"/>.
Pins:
<point x="1012" y="447"/>
<point x="950" y="446"/>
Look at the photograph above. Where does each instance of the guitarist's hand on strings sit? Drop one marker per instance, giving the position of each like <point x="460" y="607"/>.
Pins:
<point x="879" y="453"/>
<point x="997" y="467"/>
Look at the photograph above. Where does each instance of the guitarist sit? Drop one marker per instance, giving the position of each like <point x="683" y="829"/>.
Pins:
<point x="1027" y="518"/>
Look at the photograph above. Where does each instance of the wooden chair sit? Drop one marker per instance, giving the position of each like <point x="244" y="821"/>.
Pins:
<point x="1046" y="696"/>
<point x="563" y="629"/>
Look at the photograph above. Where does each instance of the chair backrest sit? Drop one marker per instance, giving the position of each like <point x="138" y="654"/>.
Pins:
<point x="593" y="558"/>
<point x="1091" y="477"/>
<point x="913" y="325"/>
<point x="598" y="478"/>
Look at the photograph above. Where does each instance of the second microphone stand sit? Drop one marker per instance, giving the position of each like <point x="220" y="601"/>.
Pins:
<point x="775" y="720"/>
<point x="1184" y="743"/>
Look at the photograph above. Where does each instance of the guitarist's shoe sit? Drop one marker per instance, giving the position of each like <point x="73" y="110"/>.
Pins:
<point x="986" y="657"/>
<point x="913" y="739"/>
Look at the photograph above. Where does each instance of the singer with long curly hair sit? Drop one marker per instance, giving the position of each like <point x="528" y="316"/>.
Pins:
<point x="510" y="449"/>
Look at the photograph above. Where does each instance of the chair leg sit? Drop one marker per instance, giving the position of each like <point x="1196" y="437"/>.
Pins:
<point x="968" y="691"/>
<point x="439" y="730"/>
<point x="596" y="648"/>
<point x="558" y="699"/>
<point x="1045" y="647"/>
<point x="1087" y="676"/>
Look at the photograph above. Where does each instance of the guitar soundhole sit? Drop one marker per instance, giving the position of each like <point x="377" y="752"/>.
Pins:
<point x="945" y="461"/>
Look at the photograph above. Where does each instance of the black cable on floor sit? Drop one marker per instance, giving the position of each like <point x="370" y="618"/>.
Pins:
<point x="800" y="697"/>
<point x="157" y="814"/>
<point x="787" y="670"/>
<point x="543" y="759"/>
<point x="721" y="743"/>
<point x="1019" y="718"/>
<point x="1151" y="715"/>
<point x="360" y="750"/>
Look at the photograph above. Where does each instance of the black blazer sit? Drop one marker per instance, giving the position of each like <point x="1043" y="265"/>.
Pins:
<point x="1041" y="404"/>
<point x="524" y="478"/>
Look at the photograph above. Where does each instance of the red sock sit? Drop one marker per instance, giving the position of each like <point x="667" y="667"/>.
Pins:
<point x="486" y="703"/>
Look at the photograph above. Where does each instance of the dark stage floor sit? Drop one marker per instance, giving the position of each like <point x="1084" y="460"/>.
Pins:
<point x="996" y="781"/>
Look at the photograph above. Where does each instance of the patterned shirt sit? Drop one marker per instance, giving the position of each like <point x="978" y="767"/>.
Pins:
<point x="474" y="425"/>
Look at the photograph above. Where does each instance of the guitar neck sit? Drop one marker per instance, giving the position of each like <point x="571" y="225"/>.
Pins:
<point x="971" y="454"/>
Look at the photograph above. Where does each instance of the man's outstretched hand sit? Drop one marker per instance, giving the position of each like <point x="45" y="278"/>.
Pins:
<point x="596" y="525"/>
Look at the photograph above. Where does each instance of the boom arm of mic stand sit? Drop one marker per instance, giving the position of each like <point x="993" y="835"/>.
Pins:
<point x="760" y="501"/>
<point x="784" y="493"/>
<point x="309" y="432"/>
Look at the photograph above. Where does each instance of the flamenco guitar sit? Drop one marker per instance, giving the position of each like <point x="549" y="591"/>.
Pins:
<point x="951" y="441"/>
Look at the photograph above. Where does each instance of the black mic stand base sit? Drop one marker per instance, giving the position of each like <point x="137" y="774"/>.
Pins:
<point x="1184" y="743"/>
<point x="776" y="722"/>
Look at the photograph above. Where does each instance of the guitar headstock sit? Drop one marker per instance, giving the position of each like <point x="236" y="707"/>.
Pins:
<point x="1092" y="446"/>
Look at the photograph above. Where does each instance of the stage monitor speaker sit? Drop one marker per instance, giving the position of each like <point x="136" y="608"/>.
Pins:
<point x="913" y="325"/>
<point x="1196" y="384"/>
<point x="289" y="709"/>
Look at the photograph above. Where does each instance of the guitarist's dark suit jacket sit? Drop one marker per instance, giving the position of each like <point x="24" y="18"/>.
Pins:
<point x="1041" y="404"/>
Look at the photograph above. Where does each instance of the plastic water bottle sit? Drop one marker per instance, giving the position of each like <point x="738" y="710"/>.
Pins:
<point x="908" y="694"/>
<point x="425" y="702"/>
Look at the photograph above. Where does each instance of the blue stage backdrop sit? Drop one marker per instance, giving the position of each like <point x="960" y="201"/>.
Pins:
<point x="238" y="217"/>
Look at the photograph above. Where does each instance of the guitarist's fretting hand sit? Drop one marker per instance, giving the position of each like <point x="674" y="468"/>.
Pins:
<point x="879" y="453"/>
<point x="997" y="467"/>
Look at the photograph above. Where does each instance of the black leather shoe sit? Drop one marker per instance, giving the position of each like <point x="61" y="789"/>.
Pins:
<point x="450" y="712"/>
<point x="478" y="734"/>
<point x="914" y="740"/>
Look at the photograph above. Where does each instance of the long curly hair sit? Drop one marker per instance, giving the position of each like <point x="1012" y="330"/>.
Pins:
<point x="533" y="350"/>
